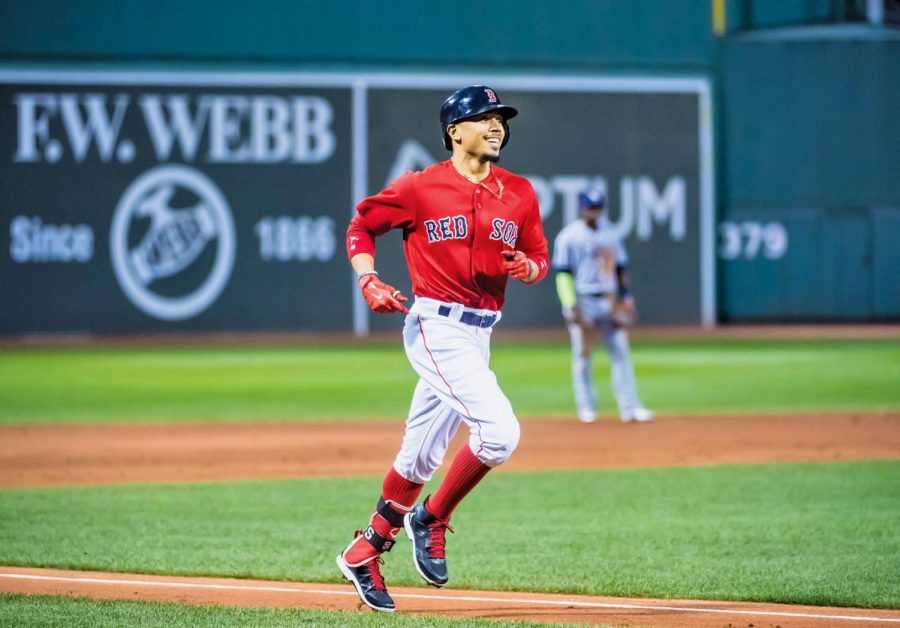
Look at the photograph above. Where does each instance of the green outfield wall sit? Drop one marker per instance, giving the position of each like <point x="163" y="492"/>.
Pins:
<point x="510" y="34"/>
<point x="751" y="152"/>
<point x="810" y="141"/>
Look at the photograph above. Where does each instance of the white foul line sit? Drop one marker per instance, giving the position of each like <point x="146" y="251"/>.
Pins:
<point x="643" y="607"/>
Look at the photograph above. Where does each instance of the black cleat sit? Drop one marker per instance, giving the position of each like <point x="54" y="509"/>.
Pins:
<point x="427" y="534"/>
<point x="369" y="583"/>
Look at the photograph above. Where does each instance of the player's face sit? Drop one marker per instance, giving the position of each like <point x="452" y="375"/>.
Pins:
<point x="591" y="214"/>
<point x="480" y="136"/>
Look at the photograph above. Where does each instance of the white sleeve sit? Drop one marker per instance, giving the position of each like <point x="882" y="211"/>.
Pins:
<point x="621" y="254"/>
<point x="561" y="259"/>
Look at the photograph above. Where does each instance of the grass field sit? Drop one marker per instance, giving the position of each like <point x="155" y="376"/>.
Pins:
<point x="60" y="612"/>
<point x="787" y="533"/>
<point x="250" y="384"/>
<point x="813" y="533"/>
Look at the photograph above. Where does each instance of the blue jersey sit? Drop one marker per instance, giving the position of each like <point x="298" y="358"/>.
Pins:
<point x="591" y="255"/>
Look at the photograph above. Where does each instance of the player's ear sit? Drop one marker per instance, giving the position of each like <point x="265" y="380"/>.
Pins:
<point x="453" y="132"/>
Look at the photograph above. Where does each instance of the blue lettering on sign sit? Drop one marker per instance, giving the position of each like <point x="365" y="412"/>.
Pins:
<point x="446" y="228"/>
<point x="506" y="231"/>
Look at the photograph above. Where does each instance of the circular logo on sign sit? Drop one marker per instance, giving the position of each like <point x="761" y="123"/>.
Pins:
<point x="172" y="242"/>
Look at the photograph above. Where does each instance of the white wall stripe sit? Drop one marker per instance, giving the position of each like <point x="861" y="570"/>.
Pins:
<point x="359" y="184"/>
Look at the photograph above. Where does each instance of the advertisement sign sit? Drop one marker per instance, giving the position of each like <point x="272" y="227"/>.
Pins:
<point x="130" y="207"/>
<point x="642" y="142"/>
<point x="151" y="202"/>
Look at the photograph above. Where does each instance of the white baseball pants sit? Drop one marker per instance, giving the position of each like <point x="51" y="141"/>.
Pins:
<point x="456" y="385"/>
<point x="598" y="313"/>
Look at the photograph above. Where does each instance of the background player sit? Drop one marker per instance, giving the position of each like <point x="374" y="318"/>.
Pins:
<point x="467" y="226"/>
<point x="592" y="283"/>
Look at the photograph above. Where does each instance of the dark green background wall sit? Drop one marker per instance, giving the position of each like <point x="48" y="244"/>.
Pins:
<point x="807" y="131"/>
<point x="505" y="33"/>
<point x="810" y="137"/>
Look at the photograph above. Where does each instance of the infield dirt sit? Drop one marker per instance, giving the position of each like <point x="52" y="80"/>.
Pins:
<point x="46" y="455"/>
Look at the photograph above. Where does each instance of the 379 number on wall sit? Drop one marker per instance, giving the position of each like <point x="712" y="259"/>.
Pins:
<point x="749" y="240"/>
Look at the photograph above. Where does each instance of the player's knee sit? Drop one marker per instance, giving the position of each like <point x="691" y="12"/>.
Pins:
<point x="617" y="354"/>
<point x="420" y="475"/>
<point x="498" y="441"/>
<point x="417" y="469"/>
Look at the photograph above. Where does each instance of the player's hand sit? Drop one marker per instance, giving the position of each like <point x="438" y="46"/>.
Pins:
<point x="518" y="266"/>
<point x="624" y="312"/>
<point x="381" y="297"/>
<point x="573" y="316"/>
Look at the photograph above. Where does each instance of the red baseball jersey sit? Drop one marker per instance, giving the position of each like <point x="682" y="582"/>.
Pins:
<point x="454" y="230"/>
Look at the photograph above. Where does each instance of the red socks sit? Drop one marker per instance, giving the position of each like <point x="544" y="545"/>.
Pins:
<point x="398" y="496"/>
<point x="465" y="473"/>
<point x="399" y="490"/>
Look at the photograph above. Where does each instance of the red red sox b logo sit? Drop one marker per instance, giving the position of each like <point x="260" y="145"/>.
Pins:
<point x="492" y="97"/>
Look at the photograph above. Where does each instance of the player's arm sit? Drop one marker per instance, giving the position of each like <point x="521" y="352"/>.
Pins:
<point x="624" y="311"/>
<point x="530" y="262"/>
<point x="380" y="297"/>
<point x="362" y="263"/>
<point x="565" y="279"/>
<point x="623" y="280"/>
<point x="376" y="215"/>
<point x="565" y="290"/>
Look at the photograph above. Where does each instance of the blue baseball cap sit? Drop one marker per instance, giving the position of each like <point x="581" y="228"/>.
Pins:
<point x="592" y="199"/>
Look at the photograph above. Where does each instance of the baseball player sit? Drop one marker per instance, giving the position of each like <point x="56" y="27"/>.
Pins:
<point x="592" y="283"/>
<point x="468" y="226"/>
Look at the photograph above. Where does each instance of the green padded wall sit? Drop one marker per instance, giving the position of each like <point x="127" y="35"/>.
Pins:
<point x="810" y="138"/>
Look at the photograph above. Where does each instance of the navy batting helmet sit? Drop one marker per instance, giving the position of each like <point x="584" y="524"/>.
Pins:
<point x="469" y="102"/>
<point x="592" y="199"/>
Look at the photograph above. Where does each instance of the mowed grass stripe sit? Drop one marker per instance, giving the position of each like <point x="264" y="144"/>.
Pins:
<point x="820" y="534"/>
<point x="312" y="383"/>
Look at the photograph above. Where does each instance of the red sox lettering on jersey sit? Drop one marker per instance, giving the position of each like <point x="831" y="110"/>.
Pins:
<point x="506" y="231"/>
<point x="454" y="230"/>
<point x="447" y="228"/>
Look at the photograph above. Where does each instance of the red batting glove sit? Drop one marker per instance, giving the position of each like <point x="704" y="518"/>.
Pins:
<point x="517" y="265"/>
<point x="379" y="296"/>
